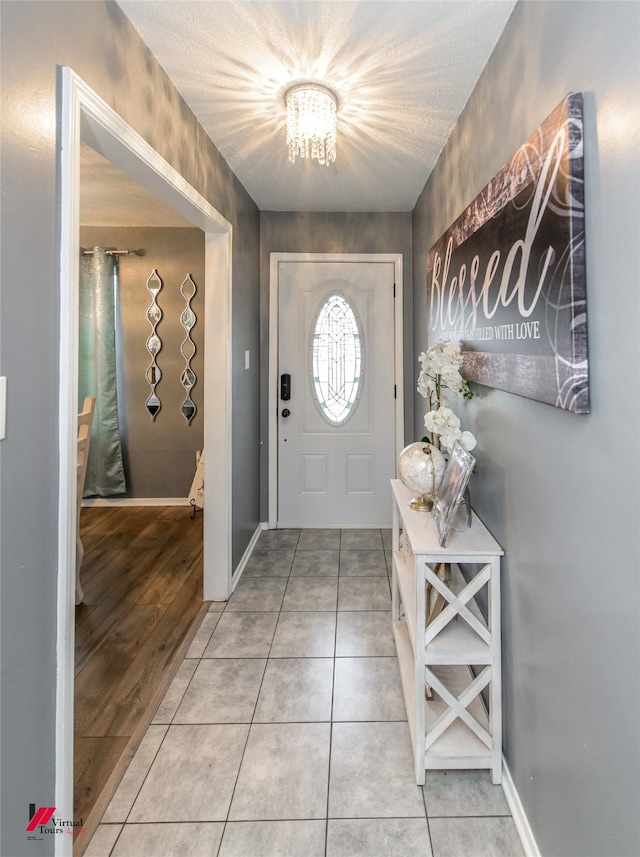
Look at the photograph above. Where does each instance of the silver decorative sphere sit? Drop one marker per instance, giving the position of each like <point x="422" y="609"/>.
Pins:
<point x="421" y="467"/>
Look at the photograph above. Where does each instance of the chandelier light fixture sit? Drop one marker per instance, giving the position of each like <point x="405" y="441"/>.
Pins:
<point x="311" y="122"/>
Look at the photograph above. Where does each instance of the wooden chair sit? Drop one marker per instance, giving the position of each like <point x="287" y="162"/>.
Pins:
<point x="196" y="493"/>
<point x="85" y="423"/>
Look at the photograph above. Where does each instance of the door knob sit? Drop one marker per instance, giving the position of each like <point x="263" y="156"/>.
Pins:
<point x="286" y="412"/>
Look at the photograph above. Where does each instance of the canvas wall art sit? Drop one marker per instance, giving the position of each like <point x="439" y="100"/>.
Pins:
<point x="507" y="279"/>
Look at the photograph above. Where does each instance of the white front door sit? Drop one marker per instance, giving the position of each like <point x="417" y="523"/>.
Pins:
<point x="336" y="430"/>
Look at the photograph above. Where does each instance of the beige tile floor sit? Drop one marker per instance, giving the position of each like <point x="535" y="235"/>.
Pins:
<point x="284" y="734"/>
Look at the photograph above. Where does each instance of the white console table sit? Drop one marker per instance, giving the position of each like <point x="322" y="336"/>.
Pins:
<point x="457" y="654"/>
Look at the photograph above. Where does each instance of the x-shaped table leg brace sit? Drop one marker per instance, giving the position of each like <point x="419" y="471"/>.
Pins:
<point x="458" y="707"/>
<point x="457" y="605"/>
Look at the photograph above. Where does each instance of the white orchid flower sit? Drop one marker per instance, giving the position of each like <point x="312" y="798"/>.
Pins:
<point x="441" y="421"/>
<point x="440" y="358"/>
<point x="468" y="440"/>
<point x="450" y="437"/>
<point x="441" y="364"/>
<point x="453" y="353"/>
<point x="425" y="384"/>
<point x="452" y="379"/>
<point x="465" y="438"/>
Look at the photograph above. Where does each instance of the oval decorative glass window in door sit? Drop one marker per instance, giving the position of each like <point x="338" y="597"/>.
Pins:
<point x="336" y="359"/>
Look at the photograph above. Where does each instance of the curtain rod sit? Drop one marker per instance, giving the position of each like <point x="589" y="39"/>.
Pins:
<point x="112" y="252"/>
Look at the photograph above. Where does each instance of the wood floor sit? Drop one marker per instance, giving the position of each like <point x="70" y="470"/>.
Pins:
<point x="142" y="580"/>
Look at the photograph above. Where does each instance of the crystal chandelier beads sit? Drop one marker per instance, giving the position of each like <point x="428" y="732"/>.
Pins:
<point x="311" y="123"/>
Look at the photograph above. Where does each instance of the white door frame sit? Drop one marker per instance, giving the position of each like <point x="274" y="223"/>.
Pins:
<point x="85" y="116"/>
<point x="275" y="259"/>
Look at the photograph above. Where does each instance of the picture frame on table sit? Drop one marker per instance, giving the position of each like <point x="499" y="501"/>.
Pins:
<point x="451" y="491"/>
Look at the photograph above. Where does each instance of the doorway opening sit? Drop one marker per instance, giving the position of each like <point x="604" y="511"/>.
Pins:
<point x="141" y="577"/>
<point x="86" y="118"/>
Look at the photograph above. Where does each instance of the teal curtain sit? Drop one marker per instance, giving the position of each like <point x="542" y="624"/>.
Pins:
<point x="97" y="371"/>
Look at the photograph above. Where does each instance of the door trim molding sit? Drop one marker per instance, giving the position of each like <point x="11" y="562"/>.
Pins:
<point x="84" y="116"/>
<point x="275" y="259"/>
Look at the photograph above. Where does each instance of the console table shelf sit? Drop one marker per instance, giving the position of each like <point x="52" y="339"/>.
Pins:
<point x="457" y="654"/>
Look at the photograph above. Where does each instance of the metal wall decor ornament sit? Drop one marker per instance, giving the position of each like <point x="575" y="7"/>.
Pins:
<point x="507" y="279"/>
<point x="154" y="344"/>
<point x="188" y="348"/>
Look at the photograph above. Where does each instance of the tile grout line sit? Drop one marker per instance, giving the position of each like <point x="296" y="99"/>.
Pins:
<point x="333" y="692"/>
<point x="244" y="750"/>
<point x="426" y="816"/>
<point x="169" y="725"/>
<point x="144" y="779"/>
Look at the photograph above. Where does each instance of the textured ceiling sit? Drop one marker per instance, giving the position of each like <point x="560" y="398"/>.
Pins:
<point x="108" y="197"/>
<point x="402" y="70"/>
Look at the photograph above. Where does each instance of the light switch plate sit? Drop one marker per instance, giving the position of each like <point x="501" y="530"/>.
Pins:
<point x="246" y="359"/>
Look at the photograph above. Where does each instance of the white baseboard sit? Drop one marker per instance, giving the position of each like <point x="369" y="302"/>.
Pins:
<point x="342" y="526"/>
<point x="517" y="811"/>
<point x="237" y="574"/>
<point x="135" y="501"/>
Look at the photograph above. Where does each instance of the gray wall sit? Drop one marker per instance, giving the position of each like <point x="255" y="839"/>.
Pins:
<point x="97" y="41"/>
<point x="159" y="455"/>
<point x="330" y="232"/>
<point x="560" y="491"/>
